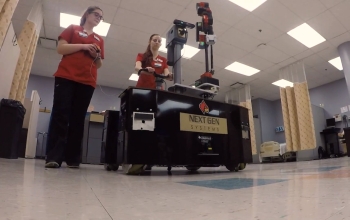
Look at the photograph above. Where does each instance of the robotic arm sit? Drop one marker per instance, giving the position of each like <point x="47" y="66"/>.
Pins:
<point x="177" y="37"/>
<point x="205" y="35"/>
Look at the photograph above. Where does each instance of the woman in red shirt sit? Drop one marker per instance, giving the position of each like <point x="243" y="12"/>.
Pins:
<point x="75" y="82"/>
<point x="153" y="62"/>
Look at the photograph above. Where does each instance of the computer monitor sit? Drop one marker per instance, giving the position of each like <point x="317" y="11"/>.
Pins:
<point x="330" y="122"/>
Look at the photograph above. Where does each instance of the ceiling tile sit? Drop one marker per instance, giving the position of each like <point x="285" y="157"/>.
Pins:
<point x="159" y="9"/>
<point x="304" y="54"/>
<point x="330" y="3"/>
<point x="327" y="25"/>
<point x="219" y="28"/>
<point x="341" y="12"/>
<point x="287" y="62"/>
<point x="329" y="53"/>
<point x="149" y="25"/>
<point x="107" y="2"/>
<point x="313" y="60"/>
<point x="240" y="40"/>
<point x="336" y="41"/>
<point x="324" y="68"/>
<point x="288" y="45"/>
<point x="228" y="51"/>
<point x="322" y="46"/>
<point x="224" y="11"/>
<point x="78" y="8"/>
<point x="270" y="53"/>
<point x="181" y="2"/>
<point x="305" y="9"/>
<point x="258" y="28"/>
<point x="255" y="61"/>
<point x="272" y="9"/>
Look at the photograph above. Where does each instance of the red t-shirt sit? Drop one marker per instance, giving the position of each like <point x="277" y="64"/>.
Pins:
<point x="76" y="66"/>
<point x="148" y="80"/>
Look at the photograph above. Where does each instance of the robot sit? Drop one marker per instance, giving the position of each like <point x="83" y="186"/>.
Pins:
<point x="182" y="126"/>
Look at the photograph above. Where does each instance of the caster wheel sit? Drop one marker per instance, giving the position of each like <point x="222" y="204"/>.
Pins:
<point x="242" y="166"/>
<point x="190" y="168"/>
<point x="232" y="168"/>
<point x="114" y="167"/>
<point x="107" y="167"/>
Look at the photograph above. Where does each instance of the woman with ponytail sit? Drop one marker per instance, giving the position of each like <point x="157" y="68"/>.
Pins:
<point x="75" y="80"/>
<point x="152" y="61"/>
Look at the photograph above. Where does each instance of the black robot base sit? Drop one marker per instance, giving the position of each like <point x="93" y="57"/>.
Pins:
<point x="162" y="128"/>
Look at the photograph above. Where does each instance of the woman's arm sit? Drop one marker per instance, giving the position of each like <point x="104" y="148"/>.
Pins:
<point x="168" y="73"/>
<point x="138" y="66"/>
<point x="98" y="62"/>
<point x="64" y="48"/>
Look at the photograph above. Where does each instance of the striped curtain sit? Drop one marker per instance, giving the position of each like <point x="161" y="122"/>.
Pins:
<point x="27" y="42"/>
<point x="296" y="109"/>
<point x="7" y="8"/>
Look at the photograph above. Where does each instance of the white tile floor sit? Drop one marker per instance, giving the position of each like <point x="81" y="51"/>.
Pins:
<point x="306" y="190"/>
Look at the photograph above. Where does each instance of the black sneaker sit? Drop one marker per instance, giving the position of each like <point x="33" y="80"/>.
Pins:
<point x="73" y="165"/>
<point x="52" y="164"/>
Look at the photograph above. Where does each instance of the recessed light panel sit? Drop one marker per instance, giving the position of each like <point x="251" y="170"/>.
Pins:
<point x="336" y="62"/>
<point x="283" y="83"/>
<point x="242" y="69"/>
<point x="67" y="19"/>
<point x="306" y="35"/>
<point x="249" y="5"/>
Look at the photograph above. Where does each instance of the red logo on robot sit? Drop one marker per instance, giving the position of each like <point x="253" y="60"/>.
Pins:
<point x="204" y="107"/>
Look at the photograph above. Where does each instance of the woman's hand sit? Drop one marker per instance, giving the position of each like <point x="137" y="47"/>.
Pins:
<point x="170" y="77"/>
<point x="92" y="49"/>
<point x="150" y="69"/>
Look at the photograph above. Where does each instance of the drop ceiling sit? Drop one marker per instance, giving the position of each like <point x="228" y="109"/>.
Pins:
<point x="258" y="39"/>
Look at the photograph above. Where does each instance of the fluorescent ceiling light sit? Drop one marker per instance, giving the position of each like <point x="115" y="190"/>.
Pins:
<point x="306" y="35"/>
<point x="242" y="69"/>
<point x="249" y="5"/>
<point x="336" y="62"/>
<point x="66" y="19"/>
<point x="187" y="52"/>
<point x="283" y="83"/>
<point x="134" y="77"/>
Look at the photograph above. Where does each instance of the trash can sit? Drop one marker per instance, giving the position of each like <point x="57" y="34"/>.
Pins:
<point x="11" y="121"/>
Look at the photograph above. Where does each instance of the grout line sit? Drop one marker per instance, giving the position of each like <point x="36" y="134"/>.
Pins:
<point x="97" y="198"/>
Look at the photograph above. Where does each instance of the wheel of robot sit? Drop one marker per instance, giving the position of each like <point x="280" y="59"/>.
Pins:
<point x="242" y="166"/>
<point x="192" y="168"/>
<point x="107" y="167"/>
<point x="110" y="167"/>
<point x="232" y="168"/>
<point x="133" y="169"/>
<point x="284" y="157"/>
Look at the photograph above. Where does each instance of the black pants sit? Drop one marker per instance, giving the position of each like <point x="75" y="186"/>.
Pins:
<point x="70" y="104"/>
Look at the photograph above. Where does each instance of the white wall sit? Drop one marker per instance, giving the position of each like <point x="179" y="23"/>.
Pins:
<point x="101" y="100"/>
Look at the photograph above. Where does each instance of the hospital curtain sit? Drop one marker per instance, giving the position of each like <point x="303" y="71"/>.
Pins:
<point x="241" y="96"/>
<point x="296" y="109"/>
<point x="27" y="41"/>
<point x="7" y="8"/>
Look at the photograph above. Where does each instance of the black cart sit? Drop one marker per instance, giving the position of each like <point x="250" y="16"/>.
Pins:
<point x="163" y="128"/>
